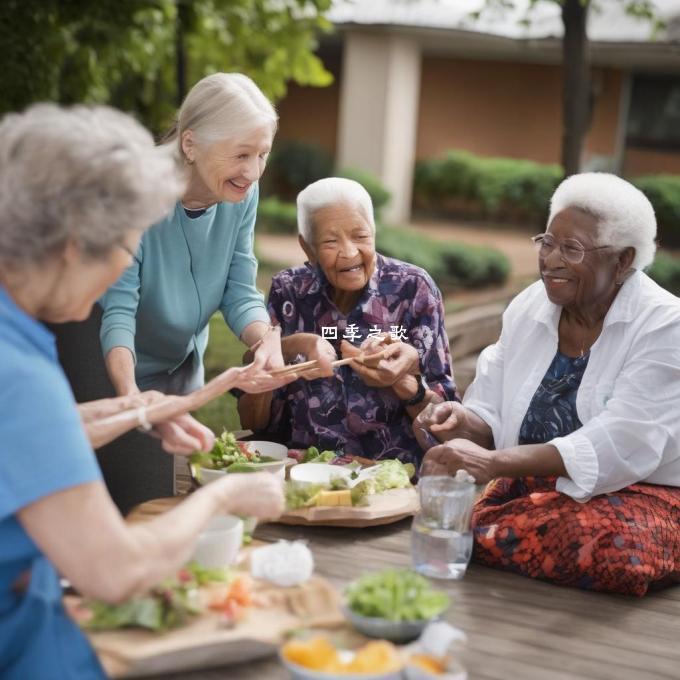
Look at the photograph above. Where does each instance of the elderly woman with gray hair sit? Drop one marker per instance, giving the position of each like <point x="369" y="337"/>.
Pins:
<point x="349" y="300"/>
<point x="77" y="189"/>
<point x="574" y="415"/>
<point x="198" y="259"/>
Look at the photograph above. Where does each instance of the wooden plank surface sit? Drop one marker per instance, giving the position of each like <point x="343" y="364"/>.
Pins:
<point x="518" y="628"/>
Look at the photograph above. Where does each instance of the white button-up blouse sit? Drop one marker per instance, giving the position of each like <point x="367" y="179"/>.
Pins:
<point x="628" y="400"/>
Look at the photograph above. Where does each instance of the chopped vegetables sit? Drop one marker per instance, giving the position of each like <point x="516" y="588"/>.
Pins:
<point x="395" y="595"/>
<point x="312" y="455"/>
<point x="228" y="454"/>
<point x="168" y="605"/>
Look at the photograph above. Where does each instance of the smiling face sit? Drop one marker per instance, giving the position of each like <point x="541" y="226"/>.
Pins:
<point x="224" y="171"/>
<point x="590" y="282"/>
<point x="343" y="246"/>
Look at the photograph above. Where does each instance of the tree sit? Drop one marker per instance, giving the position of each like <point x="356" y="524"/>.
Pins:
<point x="576" y="86"/>
<point x="141" y="55"/>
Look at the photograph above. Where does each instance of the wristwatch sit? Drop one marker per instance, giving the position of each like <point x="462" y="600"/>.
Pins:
<point x="420" y="394"/>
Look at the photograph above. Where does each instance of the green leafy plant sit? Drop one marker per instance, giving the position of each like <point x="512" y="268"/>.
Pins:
<point x="664" y="193"/>
<point x="396" y="595"/>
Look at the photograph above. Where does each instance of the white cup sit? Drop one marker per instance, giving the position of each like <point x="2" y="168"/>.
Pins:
<point x="218" y="544"/>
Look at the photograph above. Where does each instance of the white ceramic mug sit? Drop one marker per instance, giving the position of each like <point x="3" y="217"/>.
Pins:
<point x="218" y="544"/>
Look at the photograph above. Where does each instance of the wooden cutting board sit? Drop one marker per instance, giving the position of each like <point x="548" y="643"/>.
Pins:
<point x="204" y="643"/>
<point x="383" y="508"/>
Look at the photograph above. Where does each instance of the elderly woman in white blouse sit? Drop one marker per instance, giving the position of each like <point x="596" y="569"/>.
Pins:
<point x="574" y="414"/>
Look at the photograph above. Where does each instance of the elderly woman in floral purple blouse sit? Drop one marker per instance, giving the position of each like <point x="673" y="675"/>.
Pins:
<point x="349" y="299"/>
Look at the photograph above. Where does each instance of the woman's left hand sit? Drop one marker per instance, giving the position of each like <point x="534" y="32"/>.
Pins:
<point x="460" y="454"/>
<point x="399" y="359"/>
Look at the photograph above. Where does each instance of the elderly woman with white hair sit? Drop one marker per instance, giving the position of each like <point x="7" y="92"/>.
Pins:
<point x="346" y="300"/>
<point x="77" y="189"/>
<point x="574" y="414"/>
<point x="199" y="259"/>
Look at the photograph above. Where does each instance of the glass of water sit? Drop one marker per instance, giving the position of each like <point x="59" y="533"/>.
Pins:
<point x="441" y="538"/>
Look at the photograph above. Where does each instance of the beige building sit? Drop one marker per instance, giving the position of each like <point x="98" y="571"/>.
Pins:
<point x="415" y="78"/>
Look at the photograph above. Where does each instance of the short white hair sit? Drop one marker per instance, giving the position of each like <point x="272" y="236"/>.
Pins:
<point x="88" y="174"/>
<point x="625" y="217"/>
<point x="331" y="191"/>
<point x="222" y="106"/>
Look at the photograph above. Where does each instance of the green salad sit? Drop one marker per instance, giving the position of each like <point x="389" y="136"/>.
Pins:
<point x="229" y="455"/>
<point x="168" y="605"/>
<point x="396" y="595"/>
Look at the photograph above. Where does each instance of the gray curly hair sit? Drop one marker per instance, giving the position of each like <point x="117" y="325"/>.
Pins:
<point x="90" y="174"/>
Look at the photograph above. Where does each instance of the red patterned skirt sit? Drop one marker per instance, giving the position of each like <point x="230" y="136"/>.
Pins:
<point x="622" y="542"/>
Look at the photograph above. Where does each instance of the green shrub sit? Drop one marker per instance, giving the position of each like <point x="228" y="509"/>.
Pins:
<point x="500" y="188"/>
<point x="378" y="193"/>
<point x="665" y="270"/>
<point x="451" y="265"/>
<point x="276" y="217"/>
<point x="294" y="165"/>
<point x="664" y="193"/>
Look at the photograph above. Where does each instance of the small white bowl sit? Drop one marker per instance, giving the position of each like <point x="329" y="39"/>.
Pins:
<point x="218" y="544"/>
<point x="318" y="473"/>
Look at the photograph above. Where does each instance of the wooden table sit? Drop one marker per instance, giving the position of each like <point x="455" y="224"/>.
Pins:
<point x="518" y="628"/>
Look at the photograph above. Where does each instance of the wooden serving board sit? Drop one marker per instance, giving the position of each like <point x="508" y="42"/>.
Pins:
<point x="205" y="643"/>
<point x="383" y="508"/>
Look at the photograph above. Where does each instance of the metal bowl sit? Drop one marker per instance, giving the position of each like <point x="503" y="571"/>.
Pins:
<point x="384" y="629"/>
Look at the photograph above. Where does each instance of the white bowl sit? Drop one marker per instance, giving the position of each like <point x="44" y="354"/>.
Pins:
<point x="318" y="473"/>
<point x="218" y="544"/>
<point x="268" y="449"/>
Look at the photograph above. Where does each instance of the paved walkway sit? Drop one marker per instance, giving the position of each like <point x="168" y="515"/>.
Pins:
<point x="286" y="252"/>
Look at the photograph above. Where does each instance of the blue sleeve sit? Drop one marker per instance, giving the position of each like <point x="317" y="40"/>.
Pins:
<point x="242" y="302"/>
<point x="119" y="321"/>
<point x="43" y="445"/>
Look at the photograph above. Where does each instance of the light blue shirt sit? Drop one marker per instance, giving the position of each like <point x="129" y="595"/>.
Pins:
<point x="43" y="450"/>
<point x="185" y="270"/>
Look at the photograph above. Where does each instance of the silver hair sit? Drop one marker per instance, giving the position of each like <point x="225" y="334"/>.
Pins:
<point x="330" y="191"/>
<point x="88" y="174"/>
<point x="222" y="106"/>
<point x="625" y="217"/>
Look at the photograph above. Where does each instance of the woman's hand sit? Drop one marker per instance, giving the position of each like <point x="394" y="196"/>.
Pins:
<point x="460" y="454"/>
<point x="446" y="420"/>
<point x="316" y="348"/>
<point x="267" y="352"/>
<point x="256" y="494"/>
<point x="399" y="359"/>
<point x="183" y="435"/>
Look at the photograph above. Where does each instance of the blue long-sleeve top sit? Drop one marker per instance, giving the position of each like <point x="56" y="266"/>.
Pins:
<point x="184" y="271"/>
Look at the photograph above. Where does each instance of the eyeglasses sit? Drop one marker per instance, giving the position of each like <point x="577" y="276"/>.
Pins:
<point x="570" y="249"/>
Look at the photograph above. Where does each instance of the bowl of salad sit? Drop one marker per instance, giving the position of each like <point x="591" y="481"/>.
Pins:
<point x="393" y="604"/>
<point x="229" y="456"/>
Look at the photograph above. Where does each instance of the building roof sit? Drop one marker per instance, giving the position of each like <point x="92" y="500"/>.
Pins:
<point x="448" y="26"/>
<point x="610" y="24"/>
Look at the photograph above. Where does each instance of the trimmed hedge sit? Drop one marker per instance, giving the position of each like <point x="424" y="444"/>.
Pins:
<point x="505" y="189"/>
<point x="276" y="217"/>
<point x="665" y="270"/>
<point x="451" y="265"/>
<point x="664" y="193"/>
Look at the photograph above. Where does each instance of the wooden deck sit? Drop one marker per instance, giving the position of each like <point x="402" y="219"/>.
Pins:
<point x="518" y="628"/>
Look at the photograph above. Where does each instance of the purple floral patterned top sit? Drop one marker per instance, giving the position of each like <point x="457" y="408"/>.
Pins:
<point x="343" y="413"/>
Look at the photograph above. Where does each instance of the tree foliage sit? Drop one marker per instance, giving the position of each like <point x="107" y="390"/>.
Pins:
<point x="124" y="52"/>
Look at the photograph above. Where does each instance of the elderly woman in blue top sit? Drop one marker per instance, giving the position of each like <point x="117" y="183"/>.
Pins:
<point x="77" y="188"/>
<point x="200" y="258"/>
<point x="574" y="413"/>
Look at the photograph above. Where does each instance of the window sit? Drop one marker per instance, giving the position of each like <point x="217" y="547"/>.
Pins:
<point x="654" y="117"/>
